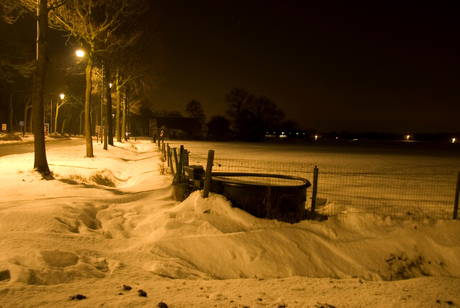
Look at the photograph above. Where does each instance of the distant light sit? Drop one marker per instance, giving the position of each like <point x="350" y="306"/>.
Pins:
<point x="316" y="137"/>
<point x="62" y="96"/>
<point x="110" y="85"/>
<point x="408" y="137"/>
<point x="80" y="53"/>
<point x="453" y="140"/>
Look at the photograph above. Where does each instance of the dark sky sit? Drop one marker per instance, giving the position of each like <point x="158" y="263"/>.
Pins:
<point x="330" y="65"/>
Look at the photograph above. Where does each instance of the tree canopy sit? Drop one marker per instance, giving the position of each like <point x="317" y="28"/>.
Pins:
<point x="251" y="116"/>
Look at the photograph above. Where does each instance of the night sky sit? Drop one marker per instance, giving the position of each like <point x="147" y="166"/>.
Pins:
<point x="356" y="66"/>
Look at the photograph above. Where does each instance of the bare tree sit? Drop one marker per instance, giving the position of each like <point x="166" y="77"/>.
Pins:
<point x="39" y="9"/>
<point x="16" y="64"/>
<point x="137" y="67"/>
<point x="239" y="102"/>
<point x="268" y="113"/>
<point x="92" y="23"/>
<point x="195" y="110"/>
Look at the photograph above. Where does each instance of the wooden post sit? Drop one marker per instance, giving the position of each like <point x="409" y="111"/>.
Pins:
<point x="168" y="154"/>
<point x="180" y="168"/>
<point x="315" y="190"/>
<point x="208" y="175"/>
<point x="457" y="191"/>
<point x="170" y="162"/>
<point x="176" y="163"/>
<point x="186" y="160"/>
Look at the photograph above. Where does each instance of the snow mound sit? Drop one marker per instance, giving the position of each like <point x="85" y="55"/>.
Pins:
<point x="48" y="267"/>
<point x="208" y="238"/>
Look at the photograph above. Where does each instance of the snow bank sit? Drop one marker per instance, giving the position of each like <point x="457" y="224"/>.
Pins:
<point x="70" y="232"/>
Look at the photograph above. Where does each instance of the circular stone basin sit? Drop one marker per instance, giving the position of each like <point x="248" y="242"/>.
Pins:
<point x="274" y="196"/>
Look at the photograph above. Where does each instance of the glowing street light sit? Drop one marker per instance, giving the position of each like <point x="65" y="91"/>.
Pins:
<point x="62" y="96"/>
<point x="80" y="53"/>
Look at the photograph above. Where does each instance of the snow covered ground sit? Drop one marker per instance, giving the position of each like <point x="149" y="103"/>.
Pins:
<point x="70" y="242"/>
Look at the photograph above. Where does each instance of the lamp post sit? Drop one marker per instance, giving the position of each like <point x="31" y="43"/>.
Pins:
<point x="88" y="81"/>
<point x="80" y="53"/>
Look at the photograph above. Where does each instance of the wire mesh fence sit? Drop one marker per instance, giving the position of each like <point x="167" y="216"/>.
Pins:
<point x="399" y="193"/>
<point x="396" y="193"/>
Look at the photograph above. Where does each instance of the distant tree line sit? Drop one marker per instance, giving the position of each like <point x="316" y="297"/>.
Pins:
<point x="247" y="117"/>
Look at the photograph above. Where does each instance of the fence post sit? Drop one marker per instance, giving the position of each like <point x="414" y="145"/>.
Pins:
<point x="170" y="160"/>
<point x="208" y="175"/>
<point x="457" y="191"/>
<point x="315" y="190"/>
<point x="176" y="163"/>
<point x="168" y="154"/>
<point x="180" y="169"/>
<point x="186" y="160"/>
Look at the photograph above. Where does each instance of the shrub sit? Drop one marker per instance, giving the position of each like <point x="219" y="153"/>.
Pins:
<point x="100" y="179"/>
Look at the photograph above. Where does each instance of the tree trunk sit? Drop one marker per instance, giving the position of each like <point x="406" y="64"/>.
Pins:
<point x="62" y="128"/>
<point x="80" y="130"/>
<point x="88" y="136"/>
<point x="108" y="97"/>
<point x="56" y="117"/>
<point x="10" y="116"/>
<point x="26" y="118"/>
<point x="124" y="120"/>
<point x="117" y="87"/>
<point x="40" y="162"/>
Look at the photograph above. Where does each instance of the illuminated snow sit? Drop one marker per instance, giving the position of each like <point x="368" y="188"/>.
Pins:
<point x="70" y="236"/>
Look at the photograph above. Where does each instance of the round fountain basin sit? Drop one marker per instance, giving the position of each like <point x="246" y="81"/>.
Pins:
<point x="263" y="195"/>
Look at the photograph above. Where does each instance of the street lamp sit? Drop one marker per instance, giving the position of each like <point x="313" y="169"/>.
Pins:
<point x="62" y="95"/>
<point x="80" y="53"/>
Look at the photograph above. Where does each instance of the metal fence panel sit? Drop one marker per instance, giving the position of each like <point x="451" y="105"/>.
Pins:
<point x="396" y="193"/>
